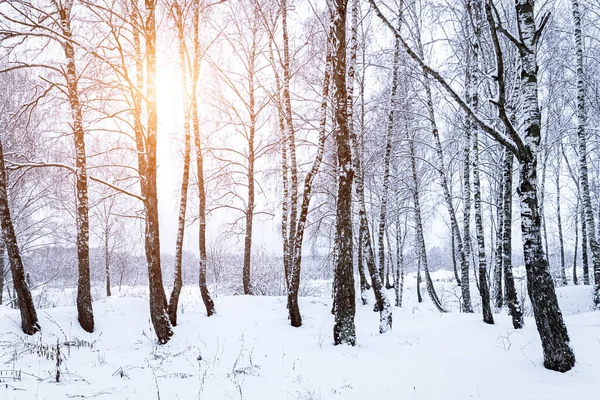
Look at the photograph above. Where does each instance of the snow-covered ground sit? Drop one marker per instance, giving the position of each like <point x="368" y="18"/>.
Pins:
<point x="249" y="351"/>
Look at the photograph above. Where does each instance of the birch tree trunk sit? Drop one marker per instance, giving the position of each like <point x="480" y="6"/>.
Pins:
<point x="294" y="285"/>
<point x="204" y="292"/>
<point x="360" y="176"/>
<point x="512" y="299"/>
<point x="584" y="247"/>
<point x="497" y="294"/>
<point x="390" y="263"/>
<point x="178" y="18"/>
<point x="107" y="259"/>
<point x="464" y="279"/>
<point x="561" y="244"/>
<point x="576" y="248"/>
<point x="249" y="212"/>
<point x="364" y="285"/>
<point x="291" y="142"/>
<point x="85" y="311"/>
<point x="399" y="281"/>
<point x="284" y="168"/>
<point x="206" y="298"/>
<point x="250" y="204"/>
<point x="344" y="331"/>
<point x="542" y="195"/>
<point x="419" y="297"/>
<point x="158" y="299"/>
<point x="558" y="354"/>
<point x="293" y="308"/>
<point x="484" y="290"/>
<point x="454" y="251"/>
<point x="3" y="271"/>
<point x="388" y="283"/>
<point x="388" y="149"/>
<point x="582" y="146"/>
<point x="29" y="319"/>
<point x="474" y="101"/>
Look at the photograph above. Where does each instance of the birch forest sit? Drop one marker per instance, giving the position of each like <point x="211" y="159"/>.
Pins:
<point x="299" y="199"/>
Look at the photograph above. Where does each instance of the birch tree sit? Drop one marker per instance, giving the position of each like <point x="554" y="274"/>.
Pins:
<point x="418" y="219"/>
<point x="148" y="168"/>
<point x="462" y="248"/>
<point x="561" y="243"/>
<point x="497" y="293"/>
<point x="357" y="133"/>
<point x="53" y="23"/>
<point x="476" y="21"/>
<point x="524" y="143"/>
<point x="399" y="278"/>
<point x="580" y="216"/>
<point x="243" y="106"/>
<point x="29" y="319"/>
<point x="388" y="147"/>
<point x="177" y="15"/>
<point x="296" y="204"/>
<point x="586" y="200"/>
<point x="13" y="120"/>
<point x="194" y="78"/>
<point x="289" y="169"/>
<point x="344" y="331"/>
<point x="84" y="296"/>
<point x="510" y="293"/>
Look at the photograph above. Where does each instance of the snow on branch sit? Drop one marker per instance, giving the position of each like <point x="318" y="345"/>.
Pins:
<point x="491" y="131"/>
